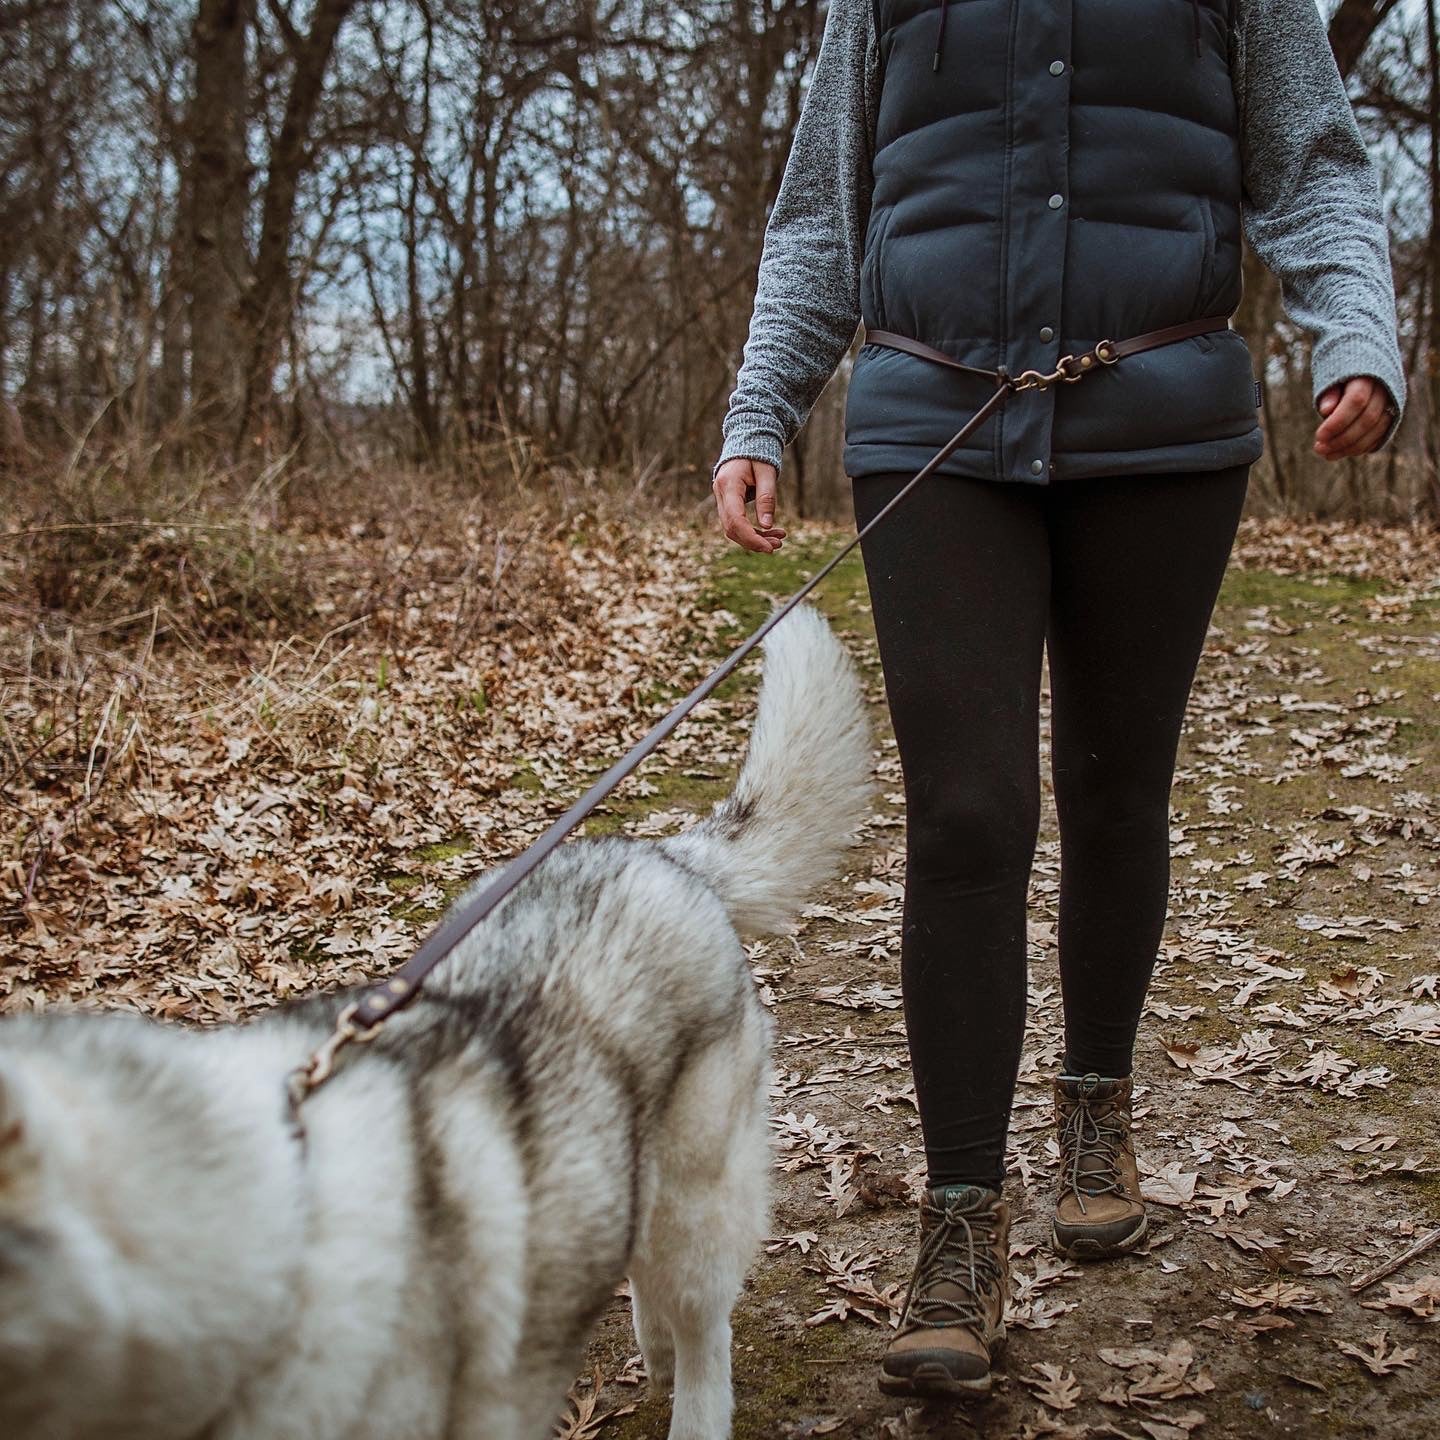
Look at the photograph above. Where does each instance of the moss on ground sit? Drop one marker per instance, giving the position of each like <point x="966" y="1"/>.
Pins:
<point x="1247" y="589"/>
<point x="447" y="849"/>
<point x="672" y="790"/>
<point x="525" y="777"/>
<point x="748" y="585"/>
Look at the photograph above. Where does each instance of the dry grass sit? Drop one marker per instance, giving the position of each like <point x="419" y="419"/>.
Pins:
<point x="400" y="644"/>
<point x="103" y="578"/>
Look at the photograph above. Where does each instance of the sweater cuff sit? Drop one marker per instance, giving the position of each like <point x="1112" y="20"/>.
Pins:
<point x="743" y="443"/>
<point x="1332" y="362"/>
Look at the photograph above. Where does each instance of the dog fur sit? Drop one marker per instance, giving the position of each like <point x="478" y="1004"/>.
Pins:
<point x="580" y="1094"/>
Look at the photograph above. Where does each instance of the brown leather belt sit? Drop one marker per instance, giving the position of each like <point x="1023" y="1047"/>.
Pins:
<point x="1068" y="367"/>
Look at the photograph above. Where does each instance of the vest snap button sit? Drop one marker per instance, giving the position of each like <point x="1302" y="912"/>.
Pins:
<point x="1057" y="67"/>
<point x="1056" y="201"/>
<point x="1046" y="333"/>
<point x="1037" y="467"/>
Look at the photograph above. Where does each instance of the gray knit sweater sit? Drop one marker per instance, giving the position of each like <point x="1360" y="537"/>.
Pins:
<point x="1310" y="205"/>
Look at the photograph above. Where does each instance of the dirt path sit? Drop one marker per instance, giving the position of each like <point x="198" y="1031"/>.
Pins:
<point x="1287" y="1078"/>
<point x="198" y="837"/>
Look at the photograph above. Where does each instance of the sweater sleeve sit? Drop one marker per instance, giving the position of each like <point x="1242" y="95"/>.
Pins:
<point x="1311" y="204"/>
<point x="807" y="299"/>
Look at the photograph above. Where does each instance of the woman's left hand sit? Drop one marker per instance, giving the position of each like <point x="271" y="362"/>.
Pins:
<point x="1356" y="415"/>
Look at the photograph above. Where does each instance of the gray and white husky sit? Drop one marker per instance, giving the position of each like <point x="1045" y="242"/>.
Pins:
<point x="578" y="1096"/>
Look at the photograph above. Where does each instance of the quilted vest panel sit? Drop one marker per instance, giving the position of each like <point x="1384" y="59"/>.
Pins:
<point x="1048" y="174"/>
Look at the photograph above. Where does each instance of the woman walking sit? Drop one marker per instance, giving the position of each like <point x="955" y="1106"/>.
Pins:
<point x="996" y="186"/>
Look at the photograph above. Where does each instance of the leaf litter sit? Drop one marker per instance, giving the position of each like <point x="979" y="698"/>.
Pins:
<point x="225" y="831"/>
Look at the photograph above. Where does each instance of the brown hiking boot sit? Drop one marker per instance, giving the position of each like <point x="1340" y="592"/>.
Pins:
<point x="953" y="1323"/>
<point x="1098" y="1208"/>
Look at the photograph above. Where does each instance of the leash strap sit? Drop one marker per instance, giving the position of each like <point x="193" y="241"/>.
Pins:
<point x="362" y="1018"/>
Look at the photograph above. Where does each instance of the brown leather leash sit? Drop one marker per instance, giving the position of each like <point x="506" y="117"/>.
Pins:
<point x="362" y="1018"/>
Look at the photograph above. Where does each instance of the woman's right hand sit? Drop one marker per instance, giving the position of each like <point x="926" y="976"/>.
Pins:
<point x="734" y="483"/>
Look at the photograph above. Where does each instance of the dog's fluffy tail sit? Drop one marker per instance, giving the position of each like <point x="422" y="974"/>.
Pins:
<point x="803" y="787"/>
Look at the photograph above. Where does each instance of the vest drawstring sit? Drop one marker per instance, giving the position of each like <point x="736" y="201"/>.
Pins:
<point x="1195" y="11"/>
<point x="940" y="34"/>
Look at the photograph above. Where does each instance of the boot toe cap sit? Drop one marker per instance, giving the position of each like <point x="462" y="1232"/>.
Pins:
<point x="935" y="1373"/>
<point x="1111" y="1237"/>
<point x="936" y="1363"/>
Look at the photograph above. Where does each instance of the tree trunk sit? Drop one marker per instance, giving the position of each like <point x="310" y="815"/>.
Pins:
<point x="175" y="308"/>
<point x="1351" y="27"/>
<point x="270" y="302"/>
<point x="219" y="200"/>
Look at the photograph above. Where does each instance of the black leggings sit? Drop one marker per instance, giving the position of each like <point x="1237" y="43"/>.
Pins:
<point x="970" y="581"/>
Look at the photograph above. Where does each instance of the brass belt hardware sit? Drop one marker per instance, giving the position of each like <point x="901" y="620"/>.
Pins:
<point x="1068" y="368"/>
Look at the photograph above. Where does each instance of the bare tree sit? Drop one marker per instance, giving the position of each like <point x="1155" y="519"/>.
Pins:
<point x="270" y="298"/>
<point x="1352" y="27"/>
<point x="482" y="229"/>
<point x="214" y="266"/>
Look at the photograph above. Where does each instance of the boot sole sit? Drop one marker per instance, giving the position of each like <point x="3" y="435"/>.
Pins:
<point x="1085" y="1249"/>
<point x="938" y="1384"/>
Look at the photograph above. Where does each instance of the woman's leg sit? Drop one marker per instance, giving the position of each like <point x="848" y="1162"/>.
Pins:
<point x="1136" y="566"/>
<point x="959" y="588"/>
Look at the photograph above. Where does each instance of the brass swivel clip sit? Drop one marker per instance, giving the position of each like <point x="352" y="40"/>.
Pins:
<point x="307" y="1078"/>
<point x="1068" y="368"/>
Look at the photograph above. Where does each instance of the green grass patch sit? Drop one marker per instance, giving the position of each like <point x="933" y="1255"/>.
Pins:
<point x="747" y="584"/>
<point x="674" y="790"/>
<point x="1247" y="589"/>
<point x="447" y="849"/>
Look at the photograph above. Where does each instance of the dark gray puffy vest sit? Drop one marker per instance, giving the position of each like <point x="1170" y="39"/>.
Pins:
<point x="1068" y="172"/>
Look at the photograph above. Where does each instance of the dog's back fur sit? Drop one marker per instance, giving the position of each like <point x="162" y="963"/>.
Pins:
<point x="578" y="1095"/>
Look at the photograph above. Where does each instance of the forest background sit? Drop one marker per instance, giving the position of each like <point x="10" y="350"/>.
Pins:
<point x="443" y="235"/>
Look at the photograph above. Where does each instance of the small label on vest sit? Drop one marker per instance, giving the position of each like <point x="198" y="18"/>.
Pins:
<point x="1257" y="394"/>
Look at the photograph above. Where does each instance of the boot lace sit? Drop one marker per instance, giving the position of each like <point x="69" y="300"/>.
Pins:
<point x="959" y="1251"/>
<point x="1091" y="1130"/>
